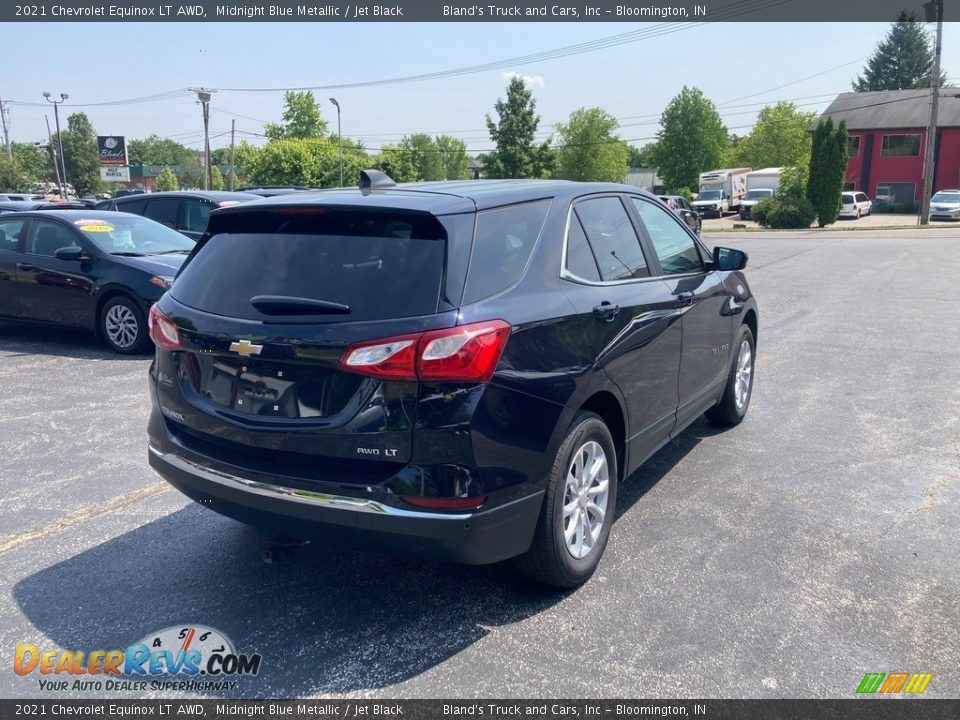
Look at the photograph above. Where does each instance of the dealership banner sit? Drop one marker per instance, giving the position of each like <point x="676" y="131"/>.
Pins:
<point x="112" y="149"/>
<point x="671" y="11"/>
<point x="854" y="709"/>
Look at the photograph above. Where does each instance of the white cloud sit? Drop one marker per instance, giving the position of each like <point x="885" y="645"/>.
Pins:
<point x="528" y="80"/>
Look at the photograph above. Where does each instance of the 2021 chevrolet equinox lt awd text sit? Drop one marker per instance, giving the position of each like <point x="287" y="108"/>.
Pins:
<point x="465" y="370"/>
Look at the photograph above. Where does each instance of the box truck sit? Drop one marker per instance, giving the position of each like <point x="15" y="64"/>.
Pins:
<point x="721" y="191"/>
<point x="761" y="184"/>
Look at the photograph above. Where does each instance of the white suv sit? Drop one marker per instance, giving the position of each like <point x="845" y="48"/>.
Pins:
<point x="855" y="204"/>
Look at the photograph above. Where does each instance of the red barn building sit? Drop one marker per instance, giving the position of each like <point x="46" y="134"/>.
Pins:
<point x="888" y="140"/>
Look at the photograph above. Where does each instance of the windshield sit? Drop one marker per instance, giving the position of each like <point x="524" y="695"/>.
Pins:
<point x="120" y="233"/>
<point x="709" y="195"/>
<point x="946" y="197"/>
<point x="758" y="194"/>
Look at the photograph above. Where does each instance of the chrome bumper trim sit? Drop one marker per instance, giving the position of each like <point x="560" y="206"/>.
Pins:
<point x="326" y="500"/>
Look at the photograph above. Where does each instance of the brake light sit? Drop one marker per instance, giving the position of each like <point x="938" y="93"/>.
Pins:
<point x="435" y="503"/>
<point x="468" y="353"/>
<point x="163" y="331"/>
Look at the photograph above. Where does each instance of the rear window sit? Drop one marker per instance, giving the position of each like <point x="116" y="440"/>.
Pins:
<point x="502" y="245"/>
<point x="379" y="264"/>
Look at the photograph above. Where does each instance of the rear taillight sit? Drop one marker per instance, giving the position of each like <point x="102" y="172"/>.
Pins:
<point x="468" y="353"/>
<point x="163" y="331"/>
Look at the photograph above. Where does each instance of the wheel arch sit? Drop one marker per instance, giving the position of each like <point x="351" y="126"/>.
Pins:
<point x="750" y="320"/>
<point x="605" y="404"/>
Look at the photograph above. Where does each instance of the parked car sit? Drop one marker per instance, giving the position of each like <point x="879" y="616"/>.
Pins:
<point x="83" y="268"/>
<point x="855" y="205"/>
<point x="682" y="207"/>
<point x="945" y="205"/>
<point x="127" y="192"/>
<point x="273" y="190"/>
<point x="465" y="370"/>
<point x="185" y="211"/>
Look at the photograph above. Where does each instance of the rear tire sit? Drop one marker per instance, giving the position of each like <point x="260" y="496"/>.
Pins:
<point x="578" y="507"/>
<point x="735" y="402"/>
<point x="123" y="326"/>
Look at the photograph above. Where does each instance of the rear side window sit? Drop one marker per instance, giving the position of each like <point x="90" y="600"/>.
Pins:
<point x="195" y="215"/>
<point x="612" y="237"/>
<point x="10" y="234"/>
<point x="502" y="244"/>
<point x="164" y="211"/>
<point x="132" y="206"/>
<point x="379" y="264"/>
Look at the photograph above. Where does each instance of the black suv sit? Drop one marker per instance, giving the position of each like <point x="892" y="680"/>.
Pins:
<point x="465" y="370"/>
<point x="186" y="211"/>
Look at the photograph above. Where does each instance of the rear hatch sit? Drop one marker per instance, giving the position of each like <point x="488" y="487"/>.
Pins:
<point x="266" y="307"/>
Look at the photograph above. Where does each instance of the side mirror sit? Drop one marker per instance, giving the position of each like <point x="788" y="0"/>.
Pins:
<point x="729" y="259"/>
<point x="69" y="253"/>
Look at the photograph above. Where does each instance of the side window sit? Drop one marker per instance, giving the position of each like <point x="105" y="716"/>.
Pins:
<point x="46" y="237"/>
<point x="132" y="206"/>
<point x="196" y="213"/>
<point x="164" y="211"/>
<point x="502" y="244"/>
<point x="676" y="249"/>
<point x="580" y="260"/>
<point x="861" y="197"/>
<point x="613" y="239"/>
<point x="10" y="234"/>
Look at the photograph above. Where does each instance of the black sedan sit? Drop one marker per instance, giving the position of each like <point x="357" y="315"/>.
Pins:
<point x="89" y="269"/>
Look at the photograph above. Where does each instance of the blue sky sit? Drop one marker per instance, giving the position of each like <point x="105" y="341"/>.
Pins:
<point x="633" y="81"/>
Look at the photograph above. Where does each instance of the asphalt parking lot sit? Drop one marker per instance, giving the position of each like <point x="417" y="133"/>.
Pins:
<point x="817" y="541"/>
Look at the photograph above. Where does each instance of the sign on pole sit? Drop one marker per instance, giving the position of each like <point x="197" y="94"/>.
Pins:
<point x="112" y="149"/>
<point x="115" y="174"/>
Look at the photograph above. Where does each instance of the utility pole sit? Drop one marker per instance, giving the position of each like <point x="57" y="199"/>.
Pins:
<point x="233" y="166"/>
<point x="934" y="11"/>
<point x="5" y="119"/>
<point x="339" y="138"/>
<point x="53" y="153"/>
<point x="203" y="97"/>
<point x="63" y="164"/>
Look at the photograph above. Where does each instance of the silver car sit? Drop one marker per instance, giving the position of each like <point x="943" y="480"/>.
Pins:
<point x="945" y="205"/>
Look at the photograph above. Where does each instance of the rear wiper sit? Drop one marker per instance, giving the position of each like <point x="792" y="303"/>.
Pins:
<point x="124" y="253"/>
<point x="288" y="305"/>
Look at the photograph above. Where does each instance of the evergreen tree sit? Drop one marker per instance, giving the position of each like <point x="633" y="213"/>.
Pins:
<point x="301" y="118"/>
<point x="516" y="154"/>
<point x="166" y="180"/>
<point x="902" y="61"/>
<point x="828" y="168"/>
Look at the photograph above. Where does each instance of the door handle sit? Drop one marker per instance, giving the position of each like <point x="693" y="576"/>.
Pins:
<point x="26" y="267"/>
<point x="686" y="298"/>
<point x="606" y="311"/>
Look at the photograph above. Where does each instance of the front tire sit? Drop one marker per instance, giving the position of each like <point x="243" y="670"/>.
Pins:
<point x="578" y="507"/>
<point x="735" y="402"/>
<point x="123" y="326"/>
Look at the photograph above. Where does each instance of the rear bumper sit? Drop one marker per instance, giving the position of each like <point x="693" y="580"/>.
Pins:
<point x="475" y="538"/>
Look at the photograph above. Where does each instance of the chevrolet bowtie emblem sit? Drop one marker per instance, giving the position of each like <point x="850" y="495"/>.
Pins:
<point x="245" y="348"/>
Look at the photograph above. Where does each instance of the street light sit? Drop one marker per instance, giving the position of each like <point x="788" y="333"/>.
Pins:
<point x="339" y="138"/>
<point x="56" y="116"/>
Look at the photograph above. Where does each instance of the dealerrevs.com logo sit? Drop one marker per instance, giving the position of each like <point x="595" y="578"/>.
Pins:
<point x="180" y="658"/>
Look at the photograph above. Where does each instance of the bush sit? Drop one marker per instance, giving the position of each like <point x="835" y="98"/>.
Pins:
<point x="784" y="213"/>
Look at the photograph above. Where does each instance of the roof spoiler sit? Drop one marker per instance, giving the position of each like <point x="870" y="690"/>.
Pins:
<point x="375" y="180"/>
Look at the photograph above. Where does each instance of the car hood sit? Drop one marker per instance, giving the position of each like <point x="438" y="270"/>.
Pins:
<point x="163" y="265"/>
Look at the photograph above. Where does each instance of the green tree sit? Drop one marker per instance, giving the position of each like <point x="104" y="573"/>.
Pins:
<point x="780" y="137"/>
<point x="589" y="148"/>
<point x="166" y="180"/>
<point x="216" y="178"/>
<point x="517" y="155"/>
<point x="828" y="167"/>
<point x="453" y="157"/>
<point x="245" y="158"/>
<point x="80" y="154"/>
<point x="34" y="162"/>
<point x="692" y="139"/>
<point x="395" y="162"/>
<point x="155" y="150"/>
<point x="641" y="157"/>
<point x="903" y="60"/>
<point x="424" y="155"/>
<point x="301" y="118"/>
<point x="328" y="157"/>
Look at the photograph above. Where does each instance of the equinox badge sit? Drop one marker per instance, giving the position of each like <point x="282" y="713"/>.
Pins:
<point x="245" y="348"/>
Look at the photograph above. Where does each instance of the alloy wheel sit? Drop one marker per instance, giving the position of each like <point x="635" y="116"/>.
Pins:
<point x="121" y="326"/>
<point x="585" y="499"/>
<point x="741" y="387"/>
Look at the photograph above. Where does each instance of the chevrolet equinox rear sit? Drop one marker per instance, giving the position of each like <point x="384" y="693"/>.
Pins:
<point x="462" y="370"/>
